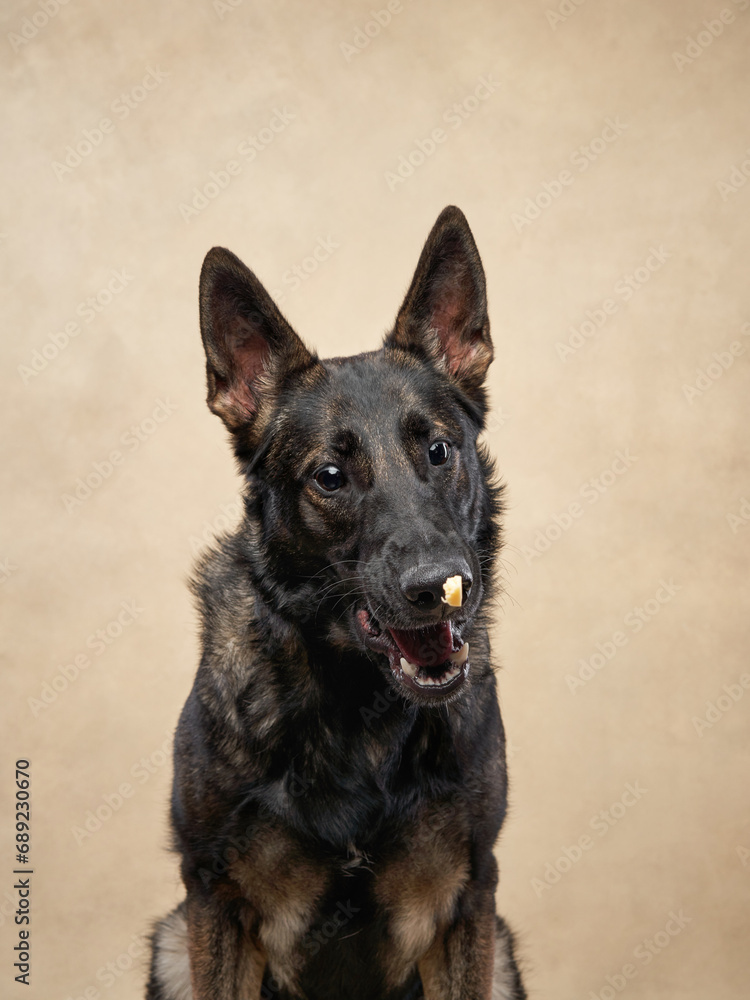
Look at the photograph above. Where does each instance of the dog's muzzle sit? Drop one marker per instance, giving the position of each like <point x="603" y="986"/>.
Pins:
<point x="431" y="662"/>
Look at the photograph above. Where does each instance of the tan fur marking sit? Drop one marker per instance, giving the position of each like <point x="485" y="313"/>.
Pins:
<point x="172" y="960"/>
<point x="282" y="886"/>
<point x="420" y="890"/>
<point x="503" y="979"/>
<point x="224" y="962"/>
<point x="461" y="964"/>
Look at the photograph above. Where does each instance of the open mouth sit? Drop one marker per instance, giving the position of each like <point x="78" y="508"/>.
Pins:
<point x="432" y="661"/>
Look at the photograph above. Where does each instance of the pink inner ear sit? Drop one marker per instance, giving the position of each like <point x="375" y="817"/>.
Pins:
<point x="449" y="318"/>
<point x="249" y="352"/>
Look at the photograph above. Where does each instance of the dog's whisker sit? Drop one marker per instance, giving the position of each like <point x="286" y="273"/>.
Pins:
<point x="330" y="566"/>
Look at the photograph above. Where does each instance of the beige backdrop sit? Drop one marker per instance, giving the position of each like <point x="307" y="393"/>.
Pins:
<point x="601" y="152"/>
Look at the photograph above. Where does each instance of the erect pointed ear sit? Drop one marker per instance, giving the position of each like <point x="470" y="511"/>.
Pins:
<point x="249" y="345"/>
<point x="444" y="314"/>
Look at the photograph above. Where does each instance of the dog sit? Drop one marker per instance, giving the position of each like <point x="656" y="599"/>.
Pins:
<point x="339" y="765"/>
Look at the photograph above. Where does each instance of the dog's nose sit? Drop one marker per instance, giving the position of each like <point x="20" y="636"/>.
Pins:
<point x="422" y="586"/>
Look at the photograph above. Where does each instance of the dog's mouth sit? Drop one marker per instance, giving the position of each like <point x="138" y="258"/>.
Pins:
<point x="432" y="661"/>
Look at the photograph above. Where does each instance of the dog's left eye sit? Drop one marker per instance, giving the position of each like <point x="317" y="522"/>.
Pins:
<point x="329" y="478"/>
<point x="439" y="452"/>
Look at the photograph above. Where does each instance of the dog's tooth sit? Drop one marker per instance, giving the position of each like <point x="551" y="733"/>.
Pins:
<point x="429" y="680"/>
<point x="460" y="656"/>
<point x="408" y="668"/>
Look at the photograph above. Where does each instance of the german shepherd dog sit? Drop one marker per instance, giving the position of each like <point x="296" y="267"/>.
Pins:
<point x="340" y="774"/>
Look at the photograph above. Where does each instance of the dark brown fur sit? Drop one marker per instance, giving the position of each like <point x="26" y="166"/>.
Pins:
<point x="335" y="812"/>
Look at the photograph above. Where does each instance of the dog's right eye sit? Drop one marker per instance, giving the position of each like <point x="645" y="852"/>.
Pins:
<point x="329" y="478"/>
<point x="439" y="452"/>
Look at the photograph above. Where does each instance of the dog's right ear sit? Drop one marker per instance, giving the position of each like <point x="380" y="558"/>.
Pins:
<point x="249" y="345"/>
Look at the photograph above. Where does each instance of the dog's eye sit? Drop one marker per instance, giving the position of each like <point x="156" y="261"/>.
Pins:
<point x="440" y="452"/>
<point x="329" y="478"/>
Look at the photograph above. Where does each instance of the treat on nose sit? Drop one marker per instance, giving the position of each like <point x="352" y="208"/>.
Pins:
<point x="427" y="586"/>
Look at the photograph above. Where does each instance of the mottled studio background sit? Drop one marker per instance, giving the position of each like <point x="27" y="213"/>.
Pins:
<point x="601" y="152"/>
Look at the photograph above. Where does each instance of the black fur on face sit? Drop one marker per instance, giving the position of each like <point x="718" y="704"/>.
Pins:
<point x="366" y="488"/>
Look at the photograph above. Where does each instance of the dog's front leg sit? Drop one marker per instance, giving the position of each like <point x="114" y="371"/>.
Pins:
<point x="224" y="961"/>
<point x="459" y="964"/>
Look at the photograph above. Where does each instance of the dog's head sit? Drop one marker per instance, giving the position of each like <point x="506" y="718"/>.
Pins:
<point x="367" y="488"/>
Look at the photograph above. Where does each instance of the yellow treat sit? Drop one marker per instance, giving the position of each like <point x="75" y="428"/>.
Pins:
<point x="452" y="592"/>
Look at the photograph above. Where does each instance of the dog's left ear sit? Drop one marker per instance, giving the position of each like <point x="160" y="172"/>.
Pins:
<point x="444" y="314"/>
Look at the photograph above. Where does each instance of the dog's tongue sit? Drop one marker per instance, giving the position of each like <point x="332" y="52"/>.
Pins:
<point x="425" y="647"/>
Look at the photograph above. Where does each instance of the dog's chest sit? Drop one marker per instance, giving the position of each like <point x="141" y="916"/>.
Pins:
<point x="383" y="912"/>
<point x="380" y="906"/>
